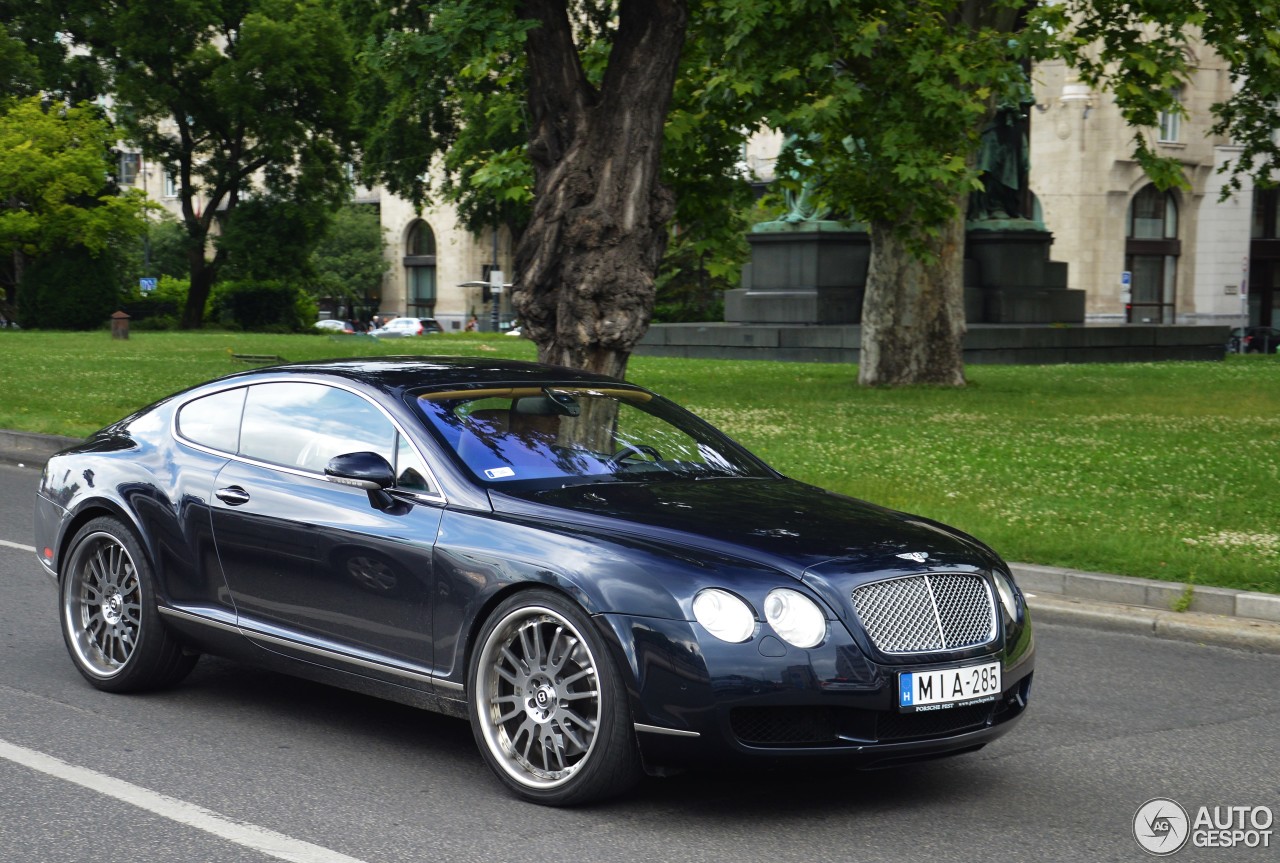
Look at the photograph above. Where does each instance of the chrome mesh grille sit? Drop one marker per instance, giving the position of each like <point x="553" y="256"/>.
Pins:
<point x="920" y="613"/>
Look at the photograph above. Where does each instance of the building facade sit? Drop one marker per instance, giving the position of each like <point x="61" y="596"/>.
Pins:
<point x="436" y="266"/>
<point x="1141" y="255"/>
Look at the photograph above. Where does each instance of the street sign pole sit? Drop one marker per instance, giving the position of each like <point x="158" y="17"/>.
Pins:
<point x="496" y="280"/>
<point x="1244" y="304"/>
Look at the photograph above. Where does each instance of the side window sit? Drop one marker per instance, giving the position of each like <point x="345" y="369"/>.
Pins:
<point x="213" y="421"/>
<point x="411" y="473"/>
<point x="304" y="425"/>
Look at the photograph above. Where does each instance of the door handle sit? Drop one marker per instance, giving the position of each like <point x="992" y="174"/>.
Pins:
<point x="232" y="495"/>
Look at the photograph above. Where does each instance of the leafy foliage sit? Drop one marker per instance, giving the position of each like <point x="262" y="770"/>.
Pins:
<point x="53" y="192"/>
<point x="1139" y="51"/>
<point x="160" y="309"/>
<point x="272" y="238"/>
<point x="349" y="260"/>
<point x="449" y="90"/>
<point x="262" y="306"/>
<point x="19" y="73"/>
<point x="889" y="98"/>
<point x="225" y="94"/>
<point x="168" y="249"/>
<point x="73" y="289"/>
<point x="441" y="84"/>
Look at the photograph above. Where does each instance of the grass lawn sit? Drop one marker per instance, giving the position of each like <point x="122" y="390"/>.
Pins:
<point x="1168" y="470"/>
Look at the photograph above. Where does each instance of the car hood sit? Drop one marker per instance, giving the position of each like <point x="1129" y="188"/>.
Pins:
<point x="786" y="524"/>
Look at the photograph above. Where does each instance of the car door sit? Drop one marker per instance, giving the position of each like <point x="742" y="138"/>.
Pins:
<point x="314" y="569"/>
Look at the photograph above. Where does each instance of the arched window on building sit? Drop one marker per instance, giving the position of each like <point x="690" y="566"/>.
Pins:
<point x="420" y="271"/>
<point x="1151" y="252"/>
<point x="1264" y="259"/>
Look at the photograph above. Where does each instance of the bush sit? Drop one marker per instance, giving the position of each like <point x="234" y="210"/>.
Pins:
<point x="263" y="307"/>
<point x="68" y="290"/>
<point x="160" y="309"/>
<point x="156" y="323"/>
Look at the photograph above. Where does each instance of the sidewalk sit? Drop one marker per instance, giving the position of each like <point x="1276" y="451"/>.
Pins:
<point x="1229" y="618"/>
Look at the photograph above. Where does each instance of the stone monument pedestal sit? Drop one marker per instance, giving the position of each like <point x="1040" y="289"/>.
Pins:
<point x="811" y="272"/>
<point x="1009" y="279"/>
<point x="815" y="273"/>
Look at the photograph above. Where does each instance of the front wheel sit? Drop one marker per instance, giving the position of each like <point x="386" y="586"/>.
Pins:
<point x="548" y="708"/>
<point x="109" y="619"/>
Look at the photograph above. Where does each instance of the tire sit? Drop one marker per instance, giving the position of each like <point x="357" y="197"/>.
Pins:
<point x="548" y="707"/>
<point x="108" y="613"/>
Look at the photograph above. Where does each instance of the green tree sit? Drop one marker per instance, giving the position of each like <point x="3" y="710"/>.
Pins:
<point x="1139" y="51"/>
<point x="166" y="251"/>
<point x="478" y="131"/>
<point x="596" y="81"/>
<point x="891" y="97"/>
<point x="272" y="238"/>
<point x="226" y="95"/>
<point x="53" y="185"/>
<point x="349" y="260"/>
<point x="73" y="289"/>
<point x="19" y="73"/>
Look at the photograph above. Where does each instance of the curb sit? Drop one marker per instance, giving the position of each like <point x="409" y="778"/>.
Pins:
<point x="1230" y="618"/>
<point x="1145" y="592"/>
<point x="33" y="448"/>
<point x="1259" y="636"/>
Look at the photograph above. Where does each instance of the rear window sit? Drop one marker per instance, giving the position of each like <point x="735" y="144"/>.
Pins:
<point x="213" y="421"/>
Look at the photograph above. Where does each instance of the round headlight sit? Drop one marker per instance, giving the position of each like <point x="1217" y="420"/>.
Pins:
<point x="1008" y="594"/>
<point x="796" y="618"/>
<point x="724" y="615"/>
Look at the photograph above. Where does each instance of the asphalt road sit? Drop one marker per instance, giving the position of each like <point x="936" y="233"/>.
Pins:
<point x="236" y="760"/>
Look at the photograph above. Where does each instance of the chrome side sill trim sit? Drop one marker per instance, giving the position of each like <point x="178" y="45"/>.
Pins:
<point x="198" y="618"/>
<point x="255" y="635"/>
<point x="658" y="729"/>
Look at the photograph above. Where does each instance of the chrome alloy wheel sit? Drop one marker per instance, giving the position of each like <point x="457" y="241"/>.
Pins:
<point x="539" y="697"/>
<point x="102" y="605"/>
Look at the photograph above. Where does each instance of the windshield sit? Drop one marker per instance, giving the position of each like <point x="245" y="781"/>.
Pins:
<point x="570" y="434"/>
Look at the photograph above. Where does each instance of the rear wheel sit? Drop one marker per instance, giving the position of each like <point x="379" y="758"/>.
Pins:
<point x="548" y="708"/>
<point x="109" y="619"/>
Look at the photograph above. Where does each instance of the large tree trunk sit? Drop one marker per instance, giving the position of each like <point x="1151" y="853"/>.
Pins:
<point x="913" y="316"/>
<point x="202" y="268"/>
<point x="201" y="285"/>
<point x="585" y="266"/>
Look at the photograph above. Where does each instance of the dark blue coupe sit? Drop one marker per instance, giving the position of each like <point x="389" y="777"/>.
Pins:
<point x="601" y="582"/>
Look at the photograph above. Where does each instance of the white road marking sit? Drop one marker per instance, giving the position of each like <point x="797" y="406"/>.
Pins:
<point x="19" y="546"/>
<point x="250" y="836"/>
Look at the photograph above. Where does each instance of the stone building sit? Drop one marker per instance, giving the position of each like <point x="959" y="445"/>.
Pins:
<point x="433" y="258"/>
<point x="1141" y="255"/>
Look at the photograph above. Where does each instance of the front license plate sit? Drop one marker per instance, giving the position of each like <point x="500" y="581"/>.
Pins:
<point x="950" y="687"/>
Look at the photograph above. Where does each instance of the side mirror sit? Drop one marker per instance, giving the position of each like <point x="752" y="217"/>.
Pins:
<point x="364" y="470"/>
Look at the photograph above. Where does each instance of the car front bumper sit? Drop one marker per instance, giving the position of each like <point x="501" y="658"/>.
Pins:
<point x="704" y="701"/>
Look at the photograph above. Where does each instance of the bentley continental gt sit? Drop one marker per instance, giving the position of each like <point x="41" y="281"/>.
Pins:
<point x="600" y="582"/>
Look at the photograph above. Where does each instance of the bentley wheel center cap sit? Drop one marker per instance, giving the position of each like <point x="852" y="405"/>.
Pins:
<point x="543" y="703"/>
<point x="111" y="611"/>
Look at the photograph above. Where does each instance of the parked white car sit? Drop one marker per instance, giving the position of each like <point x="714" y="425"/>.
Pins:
<point x="334" y="325"/>
<point x="399" y="327"/>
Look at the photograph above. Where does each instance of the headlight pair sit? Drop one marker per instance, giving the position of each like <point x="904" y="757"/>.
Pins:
<point x="795" y="617"/>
